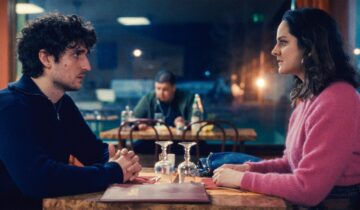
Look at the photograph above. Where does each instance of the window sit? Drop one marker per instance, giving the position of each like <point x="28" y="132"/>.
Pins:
<point x="220" y="49"/>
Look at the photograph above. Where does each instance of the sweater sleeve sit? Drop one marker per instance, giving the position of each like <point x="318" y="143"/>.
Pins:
<point x="96" y="151"/>
<point x="330" y="131"/>
<point x="278" y="165"/>
<point x="33" y="169"/>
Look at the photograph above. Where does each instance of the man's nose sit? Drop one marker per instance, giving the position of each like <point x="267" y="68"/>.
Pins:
<point x="85" y="65"/>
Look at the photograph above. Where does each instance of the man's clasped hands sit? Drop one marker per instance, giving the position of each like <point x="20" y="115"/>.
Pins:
<point x="128" y="161"/>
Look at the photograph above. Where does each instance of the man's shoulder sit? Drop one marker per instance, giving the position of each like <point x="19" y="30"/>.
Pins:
<point x="147" y="99"/>
<point x="149" y="96"/>
<point x="9" y="98"/>
<point x="67" y="99"/>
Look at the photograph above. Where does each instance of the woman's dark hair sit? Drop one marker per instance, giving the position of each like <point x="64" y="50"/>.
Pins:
<point x="53" y="33"/>
<point x="165" y="77"/>
<point x="324" y="59"/>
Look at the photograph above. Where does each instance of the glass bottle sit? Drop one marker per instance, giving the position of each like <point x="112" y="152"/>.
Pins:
<point x="125" y="116"/>
<point x="196" y="114"/>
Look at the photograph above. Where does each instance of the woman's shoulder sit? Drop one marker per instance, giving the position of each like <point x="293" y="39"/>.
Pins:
<point x="340" y="90"/>
<point x="339" y="100"/>
<point x="340" y="94"/>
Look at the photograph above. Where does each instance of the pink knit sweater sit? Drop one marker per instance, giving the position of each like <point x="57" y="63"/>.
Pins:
<point x="322" y="150"/>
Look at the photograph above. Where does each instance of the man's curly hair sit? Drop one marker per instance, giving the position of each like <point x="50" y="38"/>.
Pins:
<point x="53" y="33"/>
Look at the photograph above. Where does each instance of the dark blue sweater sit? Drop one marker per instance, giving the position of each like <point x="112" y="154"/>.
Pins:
<point x="36" y="139"/>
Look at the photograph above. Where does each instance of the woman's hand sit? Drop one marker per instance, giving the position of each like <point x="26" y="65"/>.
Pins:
<point x="237" y="167"/>
<point x="227" y="177"/>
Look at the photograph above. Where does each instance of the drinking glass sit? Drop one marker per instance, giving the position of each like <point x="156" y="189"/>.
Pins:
<point x="163" y="168"/>
<point x="187" y="170"/>
<point x="159" y="116"/>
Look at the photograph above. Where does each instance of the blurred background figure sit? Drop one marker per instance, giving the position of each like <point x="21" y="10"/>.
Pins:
<point x="236" y="90"/>
<point x="166" y="102"/>
<point x="220" y="91"/>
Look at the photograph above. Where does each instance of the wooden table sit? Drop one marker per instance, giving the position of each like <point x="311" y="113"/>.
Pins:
<point x="220" y="199"/>
<point x="245" y="134"/>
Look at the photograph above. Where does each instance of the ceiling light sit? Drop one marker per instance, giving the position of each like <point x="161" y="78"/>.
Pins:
<point x="133" y="21"/>
<point x="137" y="52"/>
<point x="357" y="51"/>
<point x="28" y="8"/>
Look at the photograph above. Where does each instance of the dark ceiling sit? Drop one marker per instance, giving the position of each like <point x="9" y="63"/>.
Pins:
<point x="164" y="11"/>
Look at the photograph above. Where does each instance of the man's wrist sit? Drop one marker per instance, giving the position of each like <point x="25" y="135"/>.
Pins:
<point x="115" y="172"/>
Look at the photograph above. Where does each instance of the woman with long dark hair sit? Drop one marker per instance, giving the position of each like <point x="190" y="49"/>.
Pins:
<point x="322" y="155"/>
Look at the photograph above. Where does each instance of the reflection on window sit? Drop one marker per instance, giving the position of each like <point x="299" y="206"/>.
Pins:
<point x="219" y="49"/>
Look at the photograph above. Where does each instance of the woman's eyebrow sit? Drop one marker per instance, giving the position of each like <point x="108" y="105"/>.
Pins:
<point x="281" y="37"/>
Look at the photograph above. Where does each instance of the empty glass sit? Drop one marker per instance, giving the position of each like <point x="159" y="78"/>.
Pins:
<point x="163" y="168"/>
<point x="187" y="170"/>
<point x="159" y="116"/>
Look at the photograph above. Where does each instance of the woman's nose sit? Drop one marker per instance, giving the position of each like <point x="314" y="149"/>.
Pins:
<point x="275" y="51"/>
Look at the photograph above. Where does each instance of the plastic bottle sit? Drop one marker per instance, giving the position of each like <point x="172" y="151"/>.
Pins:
<point x="125" y="115"/>
<point x="130" y="115"/>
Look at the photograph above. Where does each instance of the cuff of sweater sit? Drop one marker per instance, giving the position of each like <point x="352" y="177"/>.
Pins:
<point x="255" y="166"/>
<point x="246" y="181"/>
<point x="114" y="172"/>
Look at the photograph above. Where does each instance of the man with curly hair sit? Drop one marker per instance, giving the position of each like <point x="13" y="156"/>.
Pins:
<point x="41" y="129"/>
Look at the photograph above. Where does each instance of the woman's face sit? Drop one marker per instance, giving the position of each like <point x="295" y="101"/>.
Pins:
<point x="287" y="52"/>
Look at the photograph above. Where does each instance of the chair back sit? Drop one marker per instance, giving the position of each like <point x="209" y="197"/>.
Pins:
<point x="134" y="124"/>
<point x="218" y="124"/>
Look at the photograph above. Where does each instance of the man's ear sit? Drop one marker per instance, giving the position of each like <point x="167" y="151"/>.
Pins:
<point x="45" y="58"/>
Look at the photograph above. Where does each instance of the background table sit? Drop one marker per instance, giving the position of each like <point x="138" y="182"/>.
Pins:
<point x="245" y="134"/>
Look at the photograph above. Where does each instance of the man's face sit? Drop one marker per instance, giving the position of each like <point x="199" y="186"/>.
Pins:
<point x="164" y="91"/>
<point x="68" y="73"/>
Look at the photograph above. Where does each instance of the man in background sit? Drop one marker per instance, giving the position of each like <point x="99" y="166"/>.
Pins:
<point x="173" y="104"/>
<point x="41" y="129"/>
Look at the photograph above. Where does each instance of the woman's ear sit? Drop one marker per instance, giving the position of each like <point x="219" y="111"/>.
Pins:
<point x="44" y="58"/>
